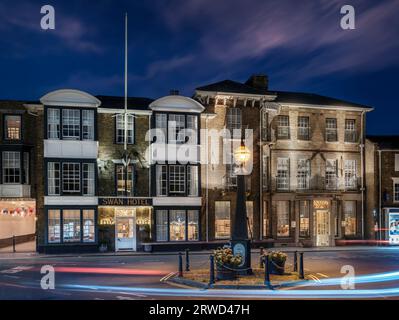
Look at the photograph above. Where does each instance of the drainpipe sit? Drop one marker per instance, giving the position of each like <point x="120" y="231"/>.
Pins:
<point x="362" y="168"/>
<point x="207" y="183"/>
<point x="379" y="197"/>
<point x="260" y="176"/>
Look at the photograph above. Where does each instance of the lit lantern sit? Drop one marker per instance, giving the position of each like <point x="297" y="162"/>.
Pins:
<point x="242" y="154"/>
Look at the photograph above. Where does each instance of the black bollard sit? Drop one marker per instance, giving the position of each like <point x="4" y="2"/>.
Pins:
<point x="296" y="261"/>
<point x="180" y="265"/>
<point x="187" y="260"/>
<point x="13" y="244"/>
<point x="261" y="257"/>
<point x="301" y="270"/>
<point x="211" y="270"/>
<point x="267" y="272"/>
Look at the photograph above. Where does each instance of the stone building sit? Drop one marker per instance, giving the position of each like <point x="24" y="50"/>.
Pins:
<point x="382" y="182"/>
<point x="307" y="183"/>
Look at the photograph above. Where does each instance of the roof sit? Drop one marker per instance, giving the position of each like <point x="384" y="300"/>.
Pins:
<point x="229" y="86"/>
<point x="177" y="103"/>
<point x="136" y="103"/>
<point x="385" y="142"/>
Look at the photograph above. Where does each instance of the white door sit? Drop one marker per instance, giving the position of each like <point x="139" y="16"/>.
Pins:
<point x="125" y="234"/>
<point x="322" y="228"/>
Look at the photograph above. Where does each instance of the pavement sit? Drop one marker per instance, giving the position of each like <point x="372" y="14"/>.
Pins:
<point x="144" y="276"/>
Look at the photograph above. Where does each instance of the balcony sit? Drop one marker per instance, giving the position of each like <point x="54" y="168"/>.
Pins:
<point x="14" y="190"/>
<point x="70" y="149"/>
<point x="316" y="184"/>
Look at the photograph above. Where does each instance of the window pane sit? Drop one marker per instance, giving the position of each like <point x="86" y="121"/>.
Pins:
<point x="283" y="219"/>
<point x="331" y="174"/>
<point x="222" y="219"/>
<point x="283" y="127"/>
<point x="304" y="219"/>
<point x="71" y="124"/>
<point x="71" y="221"/>
<point x="350" y="217"/>
<point x="303" y="128"/>
<point x="162" y="180"/>
<point x="26" y="168"/>
<point x="177" y="179"/>
<point x="177" y="225"/>
<point x="283" y="173"/>
<point x="88" y="179"/>
<point x="71" y="177"/>
<point x="176" y="128"/>
<point x="162" y="225"/>
<point x="350" y="174"/>
<point x="88" y="124"/>
<point x="53" y="178"/>
<point x="233" y="119"/>
<point x="192" y="176"/>
<point x="303" y="174"/>
<point x="11" y="167"/>
<point x="53" y="123"/>
<point x="161" y="125"/>
<point x="192" y="129"/>
<point x="331" y="130"/>
<point x="54" y="226"/>
<point x="13" y="127"/>
<point x="192" y="217"/>
<point x="124" y="180"/>
<point x="396" y="192"/>
<point x="120" y="128"/>
<point x="88" y="226"/>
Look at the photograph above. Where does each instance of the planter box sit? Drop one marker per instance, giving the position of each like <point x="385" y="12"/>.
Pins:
<point x="223" y="273"/>
<point x="277" y="268"/>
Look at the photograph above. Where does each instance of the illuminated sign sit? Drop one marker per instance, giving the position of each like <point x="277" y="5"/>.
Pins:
<point x="107" y="221"/>
<point x="321" y="204"/>
<point x="137" y="202"/>
<point x="393" y="228"/>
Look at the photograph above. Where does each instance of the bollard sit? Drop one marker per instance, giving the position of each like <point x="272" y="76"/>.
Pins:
<point x="301" y="271"/>
<point x="211" y="270"/>
<point x="180" y="265"/>
<point x="267" y="272"/>
<point x="296" y="261"/>
<point x="13" y="244"/>
<point x="187" y="260"/>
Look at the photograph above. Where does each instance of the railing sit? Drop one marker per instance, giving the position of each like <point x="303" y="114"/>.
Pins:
<point x="316" y="183"/>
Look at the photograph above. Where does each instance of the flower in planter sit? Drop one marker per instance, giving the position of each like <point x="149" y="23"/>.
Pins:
<point x="277" y="257"/>
<point x="225" y="256"/>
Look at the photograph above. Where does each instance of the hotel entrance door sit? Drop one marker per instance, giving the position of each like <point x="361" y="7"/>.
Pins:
<point x="125" y="232"/>
<point x="322" y="222"/>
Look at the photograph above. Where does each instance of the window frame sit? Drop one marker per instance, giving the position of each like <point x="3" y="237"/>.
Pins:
<point x="131" y="128"/>
<point x="283" y="174"/>
<point x="331" y="130"/>
<point x="283" y="124"/>
<point x="288" y="216"/>
<point x="229" y="219"/>
<point x="350" y="131"/>
<point x="304" y="127"/>
<point x="131" y="167"/>
<point x="5" y="127"/>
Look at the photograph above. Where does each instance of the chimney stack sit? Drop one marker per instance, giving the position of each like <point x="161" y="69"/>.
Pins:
<point x="258" y="81"/>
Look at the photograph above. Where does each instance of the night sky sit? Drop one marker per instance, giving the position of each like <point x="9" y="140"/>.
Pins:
<point x="183" y="44"/>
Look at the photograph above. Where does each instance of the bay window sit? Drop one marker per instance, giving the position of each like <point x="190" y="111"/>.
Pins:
<point x="12" y="127"/>
<point x="54" y="226"/>
<point x="161" y="220"/>
<point x="71" y="225"/>
<point x="177" y="225"/>
<point x="88" y="226"/>
<point x="176" y="128"/>
<point x="71" y="178"/>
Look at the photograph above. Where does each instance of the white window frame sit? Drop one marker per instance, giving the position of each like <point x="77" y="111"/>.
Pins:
<point x="88" y="125"/>
<point x="89" y="180"/>
<point x="331" y="174"/>
<point x="234" y="119"/>
<point x="303" y="174"/>
<point x="11" y="161"/>
<point x="176" y="128"/>
<point x="283" y="174"/>
<point x="71" y="124"/>
<point x="283" y="127"/>
<point x="88" y="225"/>
<point x="161" y="123"/>
<point x="120" y="128"/>
<point x="13" y="132"/>
<point x="177" y="179"/>
<point x="331" y="130"/>
<point x="71" y="176"/>
<point x="396" y="161"/>
<point x="52" y="181"/>
<point x="162" y="180"/>
<point x="121" y="176"/>
<point x="350" y="130"/>
<point x="303" y="128"/>
<point x="192" y="181"/>
<point x="350" y="174"/>
<point x="53" y="124"/>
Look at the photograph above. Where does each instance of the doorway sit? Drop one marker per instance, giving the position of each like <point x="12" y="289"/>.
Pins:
<point x="322" y="228"/>
<point x="125" y="230"/>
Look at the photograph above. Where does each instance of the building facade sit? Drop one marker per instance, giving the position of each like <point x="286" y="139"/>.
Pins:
<point x="106" y="177"/>
<point x="382" y="159"/>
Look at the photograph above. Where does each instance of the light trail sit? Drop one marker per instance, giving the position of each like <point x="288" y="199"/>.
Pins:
<point x="114" y="271"/>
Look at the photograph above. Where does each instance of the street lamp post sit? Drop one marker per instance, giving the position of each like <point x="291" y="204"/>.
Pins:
<point x="240" y="243"/>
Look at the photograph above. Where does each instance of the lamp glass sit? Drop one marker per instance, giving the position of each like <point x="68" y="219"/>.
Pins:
<point x="242" y="154"/>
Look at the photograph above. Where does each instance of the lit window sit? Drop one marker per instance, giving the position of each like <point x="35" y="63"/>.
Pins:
<point x="53" y="178"/>
<point x="283" y="173"/>
<point x="331" y="130"/>
<point x="222" y="219"/>
<point x="88" y="226"/>
<point x="12" y="125"/>
<point x="283" y="219"/>
<point x="162" y="180"/>
<point x="350" y="174"/>
<point x="303" y="128"/>
<point x="88" y="179"/>
<point x="71" y="223"/>
<point x="161" y="219"/>
<point x="88" y="124"/>
<point x="192" y="225"/>
<point x="124" y="180"/>
<point x="120" y="129"/>
<point x="53" y="123"/>
<point x="350" y="218"/>
<point x="303" y="174"/>
<point x="177" y="181"/>
<point x="11" y="167"/>
<point x="177" y="225"/>
<point x="54" y="226"/>
<point x="71" y="124"/>
<point x="350" y="130"/>
<point x="71" y="178"/>
<point x="304" y="214"/>
<point x="176" y="128"/>
<point x="283" y="127"/>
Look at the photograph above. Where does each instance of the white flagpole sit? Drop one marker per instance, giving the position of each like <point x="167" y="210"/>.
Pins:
<point x="125" y="116"/>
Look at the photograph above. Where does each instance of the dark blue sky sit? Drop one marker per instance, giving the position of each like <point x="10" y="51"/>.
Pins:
<point x="184" y="44"/>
